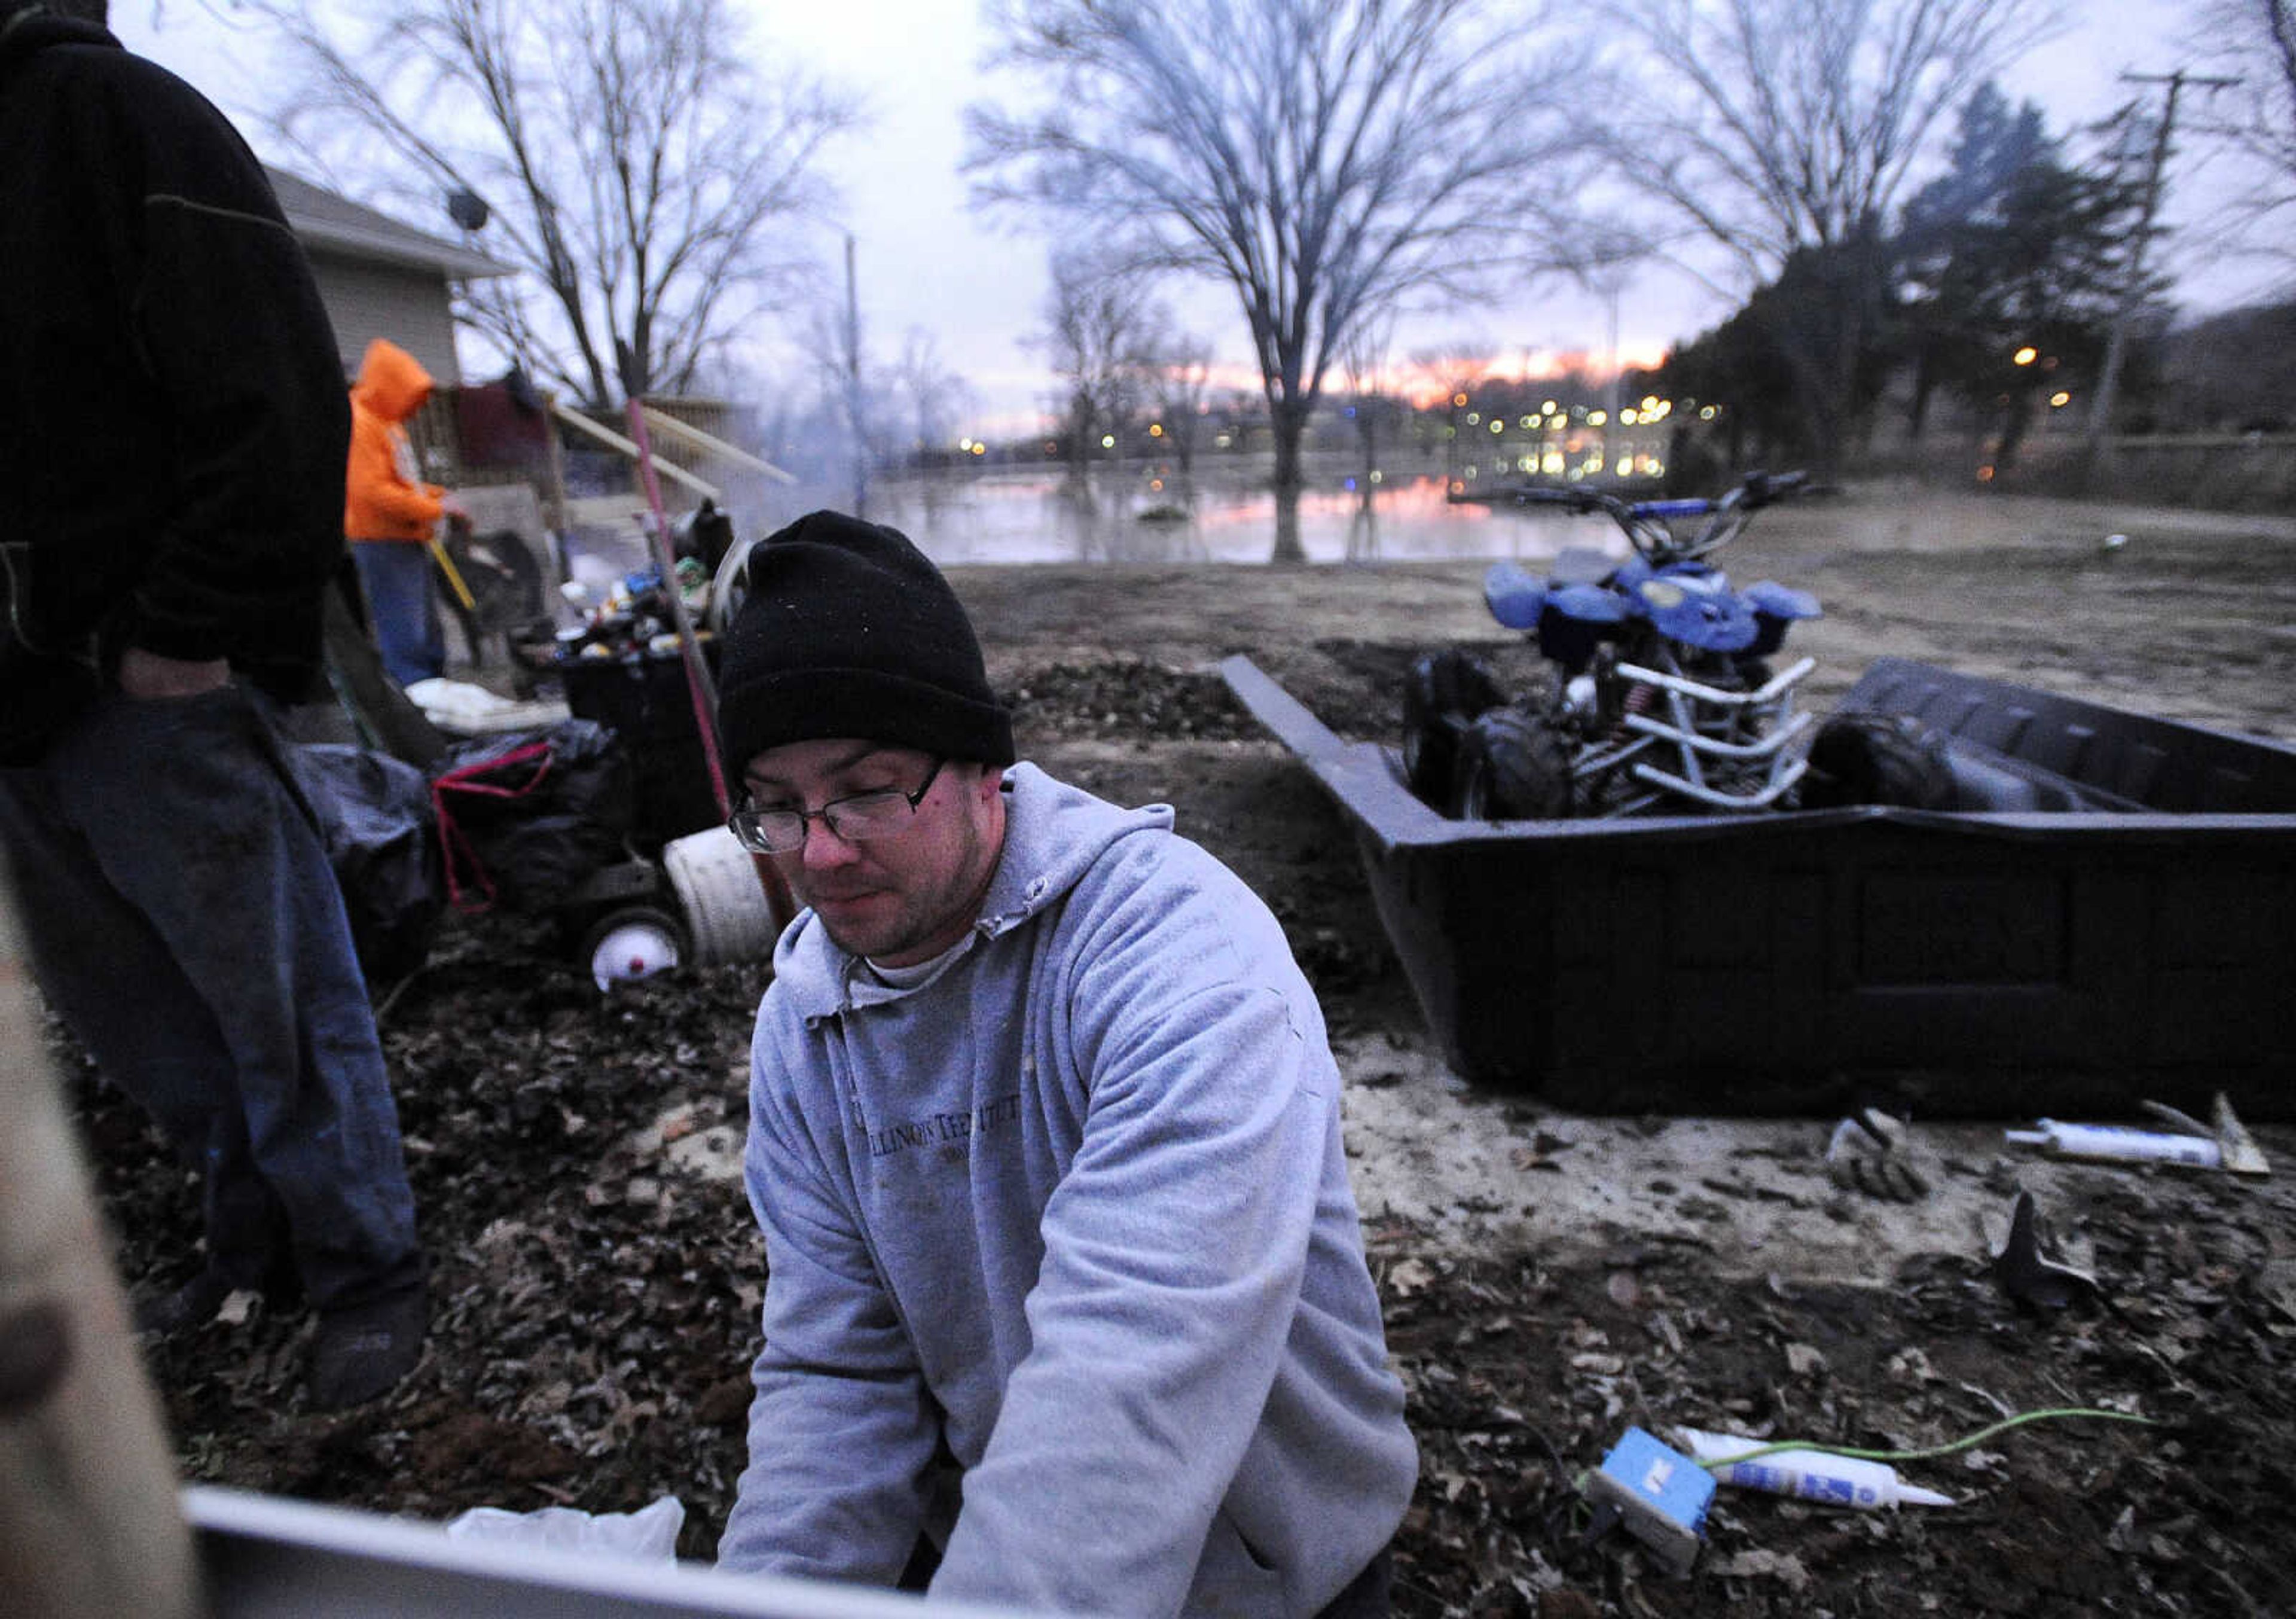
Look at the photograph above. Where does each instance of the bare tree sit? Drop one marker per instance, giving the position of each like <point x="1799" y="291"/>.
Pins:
<point x="935" y="395"/>
<point x="631" y="160"/>
<point x="2257" y="118"/>
<point x="853" y="390"/>
<point x="1458" y="367"/>
<point x="1775" y="124"/>
<point x="1364" y="358"/>
<point x="1326" y="159"/>
<point x="1783" y="130"/>
<point x="1101" y="329"/>
<point x="1179" y="372"/>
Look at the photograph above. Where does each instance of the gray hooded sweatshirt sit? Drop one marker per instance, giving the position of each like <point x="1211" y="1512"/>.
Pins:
<point x="1077" y="1209"/>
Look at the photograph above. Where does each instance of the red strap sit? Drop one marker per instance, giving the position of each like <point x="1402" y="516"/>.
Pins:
<point x="454" y="842"/>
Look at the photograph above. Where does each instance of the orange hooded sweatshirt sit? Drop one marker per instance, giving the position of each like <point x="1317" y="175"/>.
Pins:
<point x="382" y="497"/>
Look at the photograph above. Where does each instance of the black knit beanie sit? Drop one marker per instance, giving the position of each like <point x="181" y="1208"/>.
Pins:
<point x="848" y="630"/>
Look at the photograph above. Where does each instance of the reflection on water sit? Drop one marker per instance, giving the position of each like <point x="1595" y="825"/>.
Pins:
<point x="1040" y="516"/>
<point x="1032" y="514"/>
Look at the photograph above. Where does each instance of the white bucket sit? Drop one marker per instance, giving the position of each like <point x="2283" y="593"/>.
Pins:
<point x="634" y="943"/>
<point x="716" y="881"/>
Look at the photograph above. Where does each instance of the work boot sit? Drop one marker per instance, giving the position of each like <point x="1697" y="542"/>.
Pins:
<point x="362" y="1350"/>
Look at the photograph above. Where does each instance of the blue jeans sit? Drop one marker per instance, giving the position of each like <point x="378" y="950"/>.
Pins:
<point x="185" y="924"/>
<point x="402" y="604"/>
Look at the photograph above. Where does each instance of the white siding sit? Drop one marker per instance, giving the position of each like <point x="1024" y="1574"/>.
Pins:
<point x="409" y="306"/>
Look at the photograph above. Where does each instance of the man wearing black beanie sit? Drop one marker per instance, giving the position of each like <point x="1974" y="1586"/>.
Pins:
<point x="1066" y="1292"/>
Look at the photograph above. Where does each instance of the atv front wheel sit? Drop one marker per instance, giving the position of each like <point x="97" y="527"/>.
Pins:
<point x="1442" y="695"/>
<point x="1513" y="764"/>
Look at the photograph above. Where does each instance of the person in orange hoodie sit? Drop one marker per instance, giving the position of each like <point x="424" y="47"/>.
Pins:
<point x="389" y="515"/>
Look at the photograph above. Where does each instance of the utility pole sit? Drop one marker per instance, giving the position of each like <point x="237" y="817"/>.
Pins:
<point x="1604" y="271"/>
<point x="853" y="405"/>
<point x="2132" y="298"/>
<point x="1613" y="284"/>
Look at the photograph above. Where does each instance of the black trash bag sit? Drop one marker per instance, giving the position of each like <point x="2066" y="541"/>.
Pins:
<point x="704" y="534"/>
<point x="374" y="813"/>
<point x="523" y="818"/>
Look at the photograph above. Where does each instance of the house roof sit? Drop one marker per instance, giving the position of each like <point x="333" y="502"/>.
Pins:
<point x="328" y="222"/>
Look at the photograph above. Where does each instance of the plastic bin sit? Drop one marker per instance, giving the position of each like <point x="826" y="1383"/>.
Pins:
<point x="645" y="700"/>
<point x="1978" y="965"/>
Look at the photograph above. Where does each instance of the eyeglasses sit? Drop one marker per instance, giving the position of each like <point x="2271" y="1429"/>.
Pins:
<point x="856" y="818"/>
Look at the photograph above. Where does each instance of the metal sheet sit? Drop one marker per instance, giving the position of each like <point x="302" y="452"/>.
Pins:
<point x="265" y="1557"/>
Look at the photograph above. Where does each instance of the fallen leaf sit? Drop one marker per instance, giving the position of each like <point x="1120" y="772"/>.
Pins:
<point x="1762" y="1565"/>
<point x="1804" y="1361"/>
<point x="1410" y="1275"/>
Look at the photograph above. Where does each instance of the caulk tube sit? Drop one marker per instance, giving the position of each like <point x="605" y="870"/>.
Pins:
<point x="2119" y="1144"/>
<point x="1813" y="1476"/>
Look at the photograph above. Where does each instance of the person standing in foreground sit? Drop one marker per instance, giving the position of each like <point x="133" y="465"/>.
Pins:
<point x="391" y="516"/>
<point x="172" y="425"/>
<point x="1045" y="1144"/>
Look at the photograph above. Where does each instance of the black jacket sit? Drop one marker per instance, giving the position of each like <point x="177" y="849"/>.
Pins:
<point x="173" y="419"/>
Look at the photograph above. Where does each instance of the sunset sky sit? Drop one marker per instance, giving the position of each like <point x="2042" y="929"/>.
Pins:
<point x="926" y="260"/>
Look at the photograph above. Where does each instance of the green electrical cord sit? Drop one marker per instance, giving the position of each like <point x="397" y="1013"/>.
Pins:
<point x="1973" y="1440"/>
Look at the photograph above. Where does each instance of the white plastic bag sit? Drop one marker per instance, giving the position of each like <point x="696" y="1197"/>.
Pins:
<point x="647" y="1535"/>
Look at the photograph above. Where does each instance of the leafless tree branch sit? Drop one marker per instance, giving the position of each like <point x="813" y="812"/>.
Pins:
<point x="1326" y="159"/>
<point x="2255" y="119"/>
<point x="1100" y="336"/>
<point x="1774" y="125"/>
<point x="635" y="166"/>
<point x="935" y="395"/>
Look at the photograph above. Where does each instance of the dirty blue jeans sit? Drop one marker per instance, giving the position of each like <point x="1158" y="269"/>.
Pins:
<point x="185" y="924"/>
<point x="402" y="604"/>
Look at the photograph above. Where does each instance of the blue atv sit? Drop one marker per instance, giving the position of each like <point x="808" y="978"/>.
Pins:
<point x="1663" y="697"/>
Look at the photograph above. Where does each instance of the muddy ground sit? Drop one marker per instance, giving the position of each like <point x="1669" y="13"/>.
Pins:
<point x="1549" y="1278"/>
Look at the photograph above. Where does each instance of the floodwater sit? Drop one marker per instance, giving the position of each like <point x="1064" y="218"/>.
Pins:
<point x="1146" y="513"/>
<point x="1039" y="514"/>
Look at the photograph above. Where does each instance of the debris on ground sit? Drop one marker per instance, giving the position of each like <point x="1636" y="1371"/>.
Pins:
<point x="1872" y="1152"/>
<point x="598" y="1276"/>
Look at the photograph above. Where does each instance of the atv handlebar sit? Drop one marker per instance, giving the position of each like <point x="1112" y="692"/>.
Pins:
<point x="1645" y="522"/>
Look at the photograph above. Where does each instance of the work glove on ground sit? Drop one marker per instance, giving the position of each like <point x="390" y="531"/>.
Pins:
<point x="1874" y="1153"/>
